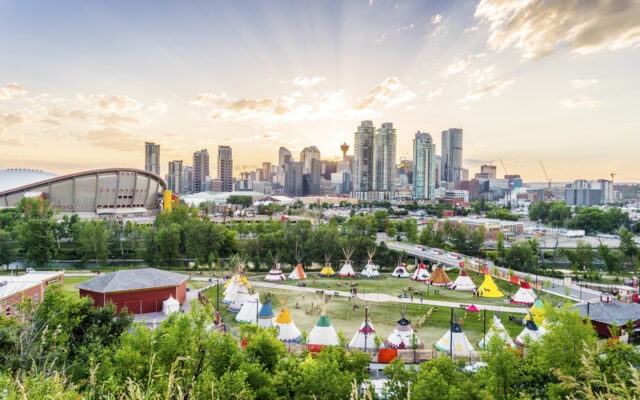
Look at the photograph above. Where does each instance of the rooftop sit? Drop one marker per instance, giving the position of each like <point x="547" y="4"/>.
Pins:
<point x="611" y="313"/>
<point x="132" y="279"/>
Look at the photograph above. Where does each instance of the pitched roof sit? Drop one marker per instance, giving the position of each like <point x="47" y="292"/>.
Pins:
<point x="614" y="312"/>
<point x="132" y="279"/>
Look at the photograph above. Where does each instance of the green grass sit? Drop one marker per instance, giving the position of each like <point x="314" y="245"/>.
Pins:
<point x="70" y="283"/>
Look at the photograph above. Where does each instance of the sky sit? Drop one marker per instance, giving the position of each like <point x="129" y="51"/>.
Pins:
<point x="83" y="84"/>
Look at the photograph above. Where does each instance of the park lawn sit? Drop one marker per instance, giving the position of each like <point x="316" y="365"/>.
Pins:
<point x="383" y="316"/>
<point x="70" y="282"/>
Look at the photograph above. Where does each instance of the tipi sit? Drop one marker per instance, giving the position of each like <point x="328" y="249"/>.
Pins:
<point x="370" y="270"/>
<point x="288" y="331"/>
<point x="266" y="317"/>
<point x="249" y="310"/>
<point x="233" y="289"/>
<point x="364" y="337"/>
<point x="403" y="336"/>
<point x="439" y="277"/>
<point x="421" y="274"/>
<point x="275" y="273"/>
<point x="239" y="300"/>
<point x="297" y="273"/>
<point x="532" y="331"/>
<point x="536" y="312"/>
<point x="400" y="271"/>
<point x="463" y="283"/>
<point x="497" y="329"/>
<point x="454" y="339"/>
<point x="323" y="333"/>
<point x="327" y="271"/>
<point x="525" y="295"/>
<point x="489" y="288"/>
<point x="347" y="270"/>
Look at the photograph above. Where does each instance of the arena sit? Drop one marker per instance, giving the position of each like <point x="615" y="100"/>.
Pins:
<point x="112" y="192"/>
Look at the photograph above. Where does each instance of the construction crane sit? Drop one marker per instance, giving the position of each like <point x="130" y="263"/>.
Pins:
<point x="503" y="167"/>
<point x="505" y="175"/>
<point x="547" y="193"/>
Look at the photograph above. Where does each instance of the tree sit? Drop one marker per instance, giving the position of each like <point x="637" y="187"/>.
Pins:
<point x="501" y="374"/>
<point x="35" y="232"/>
<point x="610" y="258"/>
<point x="93" y="242"/>
<point x="411" y="230"/>
<point x="245" y="201"/>
<point x="628" y="246"/>
<point x="381" y="217"/>
<point x="521" y="256"/>
<point x="500" y="246"/>
<point x="169" y="243"/>
<point x="6" y="249"/>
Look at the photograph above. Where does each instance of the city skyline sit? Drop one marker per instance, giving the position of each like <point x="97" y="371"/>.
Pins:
<point x="176" y="78"/>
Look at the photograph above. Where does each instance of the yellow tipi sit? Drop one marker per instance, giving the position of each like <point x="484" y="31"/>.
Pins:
<point x="536" y="313"/>
<point x="489" y="288"/>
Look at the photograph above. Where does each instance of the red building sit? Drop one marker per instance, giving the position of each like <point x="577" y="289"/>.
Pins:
<point x="608" y="313"/>
<point x="31" y="286"/>
<point x="139" y="290"/>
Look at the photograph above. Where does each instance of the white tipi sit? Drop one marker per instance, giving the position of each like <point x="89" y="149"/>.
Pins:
<point x="403" y="336"/>
<point x="463" y="283"/>
<point x="347" y="270"/>
<point x="288" y="332"/>
<point x="454" y="339"/>
<point x="370" y="270"/>
<point x="531" y="331"/>
<point x="421" y="274"/>
<point x="249" y="310"/>
<point x="363" y="339"/>
<point x="297" y="273"/>
<point x="238" y="301"/>
<point x="525" y="295"/>
<point x="323" y="334"/>
<point x="400" y="271"/>
<point x="497" y="329"/>
<point x="275" y="273"/>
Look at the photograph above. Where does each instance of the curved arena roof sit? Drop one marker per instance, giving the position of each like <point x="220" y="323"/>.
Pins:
<point x="13" y="178"/>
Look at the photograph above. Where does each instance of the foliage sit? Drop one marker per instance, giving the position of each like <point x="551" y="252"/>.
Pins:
<point x="245" y="201"/>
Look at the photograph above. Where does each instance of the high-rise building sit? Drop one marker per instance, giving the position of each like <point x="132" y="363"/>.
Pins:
<point x="225" y="168"/>
<point x="424" y="167"/>
<point x="489" y="170"/>
<point x="362" y="179"/>
<point x="152" y="157"/>
<point x="306" y="155"/>
<point x="266" y="171"/>
<point x="187" y="179"/>
<point x="311" y="181"/>
<point x="384" y="157"/>
<point x="451" y="163"/>
<point x="293" y="183"/>
<point x="174" y="177"/>
<point x="284" y="157"/>
<point x="200" y="170"/>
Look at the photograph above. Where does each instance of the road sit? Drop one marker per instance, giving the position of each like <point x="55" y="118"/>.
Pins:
<point x="556" y="285"/>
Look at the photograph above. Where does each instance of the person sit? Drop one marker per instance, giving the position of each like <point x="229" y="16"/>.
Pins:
<point x="435" y="308"/>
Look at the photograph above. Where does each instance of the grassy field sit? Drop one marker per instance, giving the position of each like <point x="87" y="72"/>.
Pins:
<point x="383" y="316"/>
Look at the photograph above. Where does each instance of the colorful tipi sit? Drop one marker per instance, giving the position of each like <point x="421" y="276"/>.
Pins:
<point x="275" y="273"/>
<point x="266" y="317"/>
<point x="532" y="331"/>
<point x="327" y="271"/>
<point x="421" y="274"/>
<point x="403" y="336"/>
<point x="400" y="271"/>
<point x="536" y="312"/>
<point x="497" y="329"/>
<point x="463" y="283"/>
<point x="525" y="295"/>
<point x="347" y="270"/>
<point x="489" y="288"/>
<point x="439" y="277"/>
<point x="322" y="334"/>
<point x="297" y="273"/>
<point x="370" y="270"/>
<point x="288" y="332"/>
<point x="249" y="310"/>
<point x="364" y="337"/>
<point x="454" y="339"/>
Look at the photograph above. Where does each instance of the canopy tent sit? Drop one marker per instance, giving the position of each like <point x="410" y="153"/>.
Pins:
<point x="536" y="312"/>
<point x="454" y="339"/>
<point x="249" y="310"/>
<point x="472" y="308"/>
<point x="347" y="270"/>
<point x="275" y="274"/>
<point x="532" y="331"/>
<point x="400" y="272"/>
<point x="323" y="333"/>
<point x="439" y="277"/>
<point x="239" y="300"/>
<point x="463" y="283"/>
<point x="297" y="273"/>
<point x="364" y="337"/>
<point x="170" y="306"/>
<point x="497" y="329"/>
<point x="524" y="295"/>
<point x="266" y="317"/>
<point x="489" y="288"/>
<point x="403" y="336"/>
<point x="514" y="279"/>
<point x="421" y="274"/>
<point x="288" y="332"/>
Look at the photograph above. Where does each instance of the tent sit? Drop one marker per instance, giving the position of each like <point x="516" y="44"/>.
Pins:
<point x="249" y="310"/>
<point x="288" y="332"/>
<point x="400" y="271"/>
<point x="323" y="333"/>
<point x="524" y="295"/>
<point x="297" y="273"/>
<point x="275" y="274"/>
<point x="439" y="277"/>
<point x="532" y="331"/>
<point x="347" y="270"/>
<point x="472" y="308"/>
<point x="536" y="312"/>
<point x="327" y="271"/>
<point x="456" y="337"/>
<point x="463" y="283"/>
<point x="421" y="274"/>
<point x="170" y="306"/>
<point x="370" y="270"/>
<point x="489" y="288"/>
<point x="238" y="301"/>
<point x="364" y="337"/>
<point x="497" y="329"/>
<point x="403" y="336"/>
<point x="233" y="288"/>
<point x="266" y="317"/>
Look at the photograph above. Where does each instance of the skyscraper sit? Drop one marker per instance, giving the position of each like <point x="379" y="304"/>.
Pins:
<point x="293" y="185"/>
<point x="284" y="157"/>
<point x="225" y="168"/>
<point x="384" y="156"/>
<point x="363" y="166"/>
<point x="187" y="179"/>
<point x="306" y="155"/>
<point x="200" y="170"/>
<point x="152" y="157"/>
<point x="174" y="177"/>
<point x="424" y="167"/>
<point x="451" y="167"/>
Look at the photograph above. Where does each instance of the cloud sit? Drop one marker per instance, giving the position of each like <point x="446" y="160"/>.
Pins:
<point x="381" y="38"/>
<point x="12" y="89"/>
<point x="114" y="103"/>
<point x="434" y="94"/>
<point x="8" y="120"/>
<point x="208" y="99"/>
<point x="580" y="102"/>
<point x="583" y="83"/>
<point x="158" y="108"/>
<point x="406" y="28"/>
<point x="119" y="119"/>
<point x="537" y="27"/>
<point x="58" y="116"/>
<point x="113" y="138"/>
<point x="224" y="108"/>
<point x="436" y="19"/>
<point x="494" y="88"/>
<point x="387" y="94"/>
<point x="307" y="82"/>
<point x="456" y="67"/>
